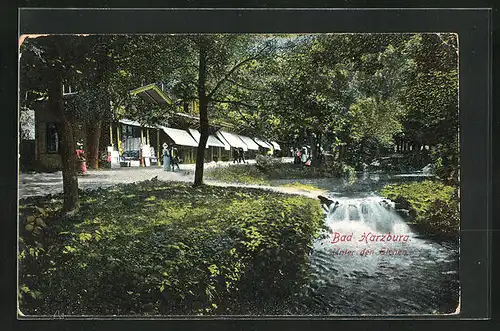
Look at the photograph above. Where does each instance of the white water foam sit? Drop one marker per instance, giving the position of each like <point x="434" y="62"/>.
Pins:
<point x="367" y="235"/>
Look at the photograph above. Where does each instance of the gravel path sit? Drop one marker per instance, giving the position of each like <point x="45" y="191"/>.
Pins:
<point x="37" y="184"/>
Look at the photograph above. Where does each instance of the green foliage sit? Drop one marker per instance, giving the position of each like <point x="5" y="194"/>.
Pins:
<point x="244" y="174"/>
<point x="253" y="174"/>
<point x="164" y="248"/>
<point x="435" y="206"/>
<point x="266" y="162"/>
<point x="409" y="162"/>
<point x="352" y="94"/>
<point x="431" y="101"/>
<point x="375" y="119"/>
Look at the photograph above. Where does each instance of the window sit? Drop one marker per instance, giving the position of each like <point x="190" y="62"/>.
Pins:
<point x="52" y="138"/>
<point x="68" y="90"/>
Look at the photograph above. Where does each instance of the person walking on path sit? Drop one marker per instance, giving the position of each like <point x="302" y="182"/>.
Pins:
<point x="296" y="159"/>
<point x="166" y="157"/>
<point x="236" y="155"/>
<point x="241" y="155"/>
<point x="174" y="159"/>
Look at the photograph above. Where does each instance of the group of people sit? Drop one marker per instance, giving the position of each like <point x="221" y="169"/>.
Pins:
<point x="239" y="155"/>
<point x="170" y="158"/>
<point x="302" y="156"/>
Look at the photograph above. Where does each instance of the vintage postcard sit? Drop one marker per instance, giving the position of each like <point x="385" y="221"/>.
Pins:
<point x="239" y="175"/>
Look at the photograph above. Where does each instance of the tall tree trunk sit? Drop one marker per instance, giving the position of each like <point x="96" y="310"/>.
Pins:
<point x="67" y="145"/>
<point x="202" y="95"/>
<point x="200" y="152"/>
<point x="93" y="136"/>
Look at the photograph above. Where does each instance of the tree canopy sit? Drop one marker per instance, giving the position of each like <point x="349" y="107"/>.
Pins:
<point x="353" y="94"/>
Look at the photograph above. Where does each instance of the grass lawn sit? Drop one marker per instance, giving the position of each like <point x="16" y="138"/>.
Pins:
<point x="164" y="248"/>
<point x="263" y="174"/>
<point x="303" y="187"/>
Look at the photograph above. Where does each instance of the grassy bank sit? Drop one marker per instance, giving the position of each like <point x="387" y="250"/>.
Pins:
<point x="163" y="248"/>
<point x="264" y="172"/>
<point x="433" y="205"/>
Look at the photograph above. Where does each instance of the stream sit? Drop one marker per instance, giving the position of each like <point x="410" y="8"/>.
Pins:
<point x="370" y="262"/>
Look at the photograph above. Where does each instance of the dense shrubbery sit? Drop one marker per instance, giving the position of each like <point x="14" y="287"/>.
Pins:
<point x="435" y="206"/>
<point x="266" y="162"/>
<point x="158" y="248"/>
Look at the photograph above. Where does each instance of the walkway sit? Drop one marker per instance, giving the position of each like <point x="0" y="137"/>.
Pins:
<point x="36" y="184"/>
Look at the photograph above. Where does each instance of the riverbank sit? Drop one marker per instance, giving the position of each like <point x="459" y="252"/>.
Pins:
<point x="174" y="249"/>
<point x="431" y="207"/>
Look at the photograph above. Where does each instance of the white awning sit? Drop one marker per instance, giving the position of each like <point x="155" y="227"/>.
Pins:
<point x="227" y="147"/>
<point x="262" y="143"/>
<point x="180" y="137"/>
<point x="276" y="145"/>
<point x="234" y="140"/>
<point x="129" y="122"/>
<point x="250" y="143"/>
<point x="135" y="123"/>
<point x="212" y="141"/>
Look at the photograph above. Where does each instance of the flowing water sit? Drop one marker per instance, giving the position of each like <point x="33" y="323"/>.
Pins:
<point x="369" y="261"/>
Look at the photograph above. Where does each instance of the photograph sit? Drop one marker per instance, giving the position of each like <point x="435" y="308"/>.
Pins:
<point x="238" y="174"/>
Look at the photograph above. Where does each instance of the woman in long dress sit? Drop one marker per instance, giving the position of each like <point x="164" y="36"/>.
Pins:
<point x="166" y="158"/>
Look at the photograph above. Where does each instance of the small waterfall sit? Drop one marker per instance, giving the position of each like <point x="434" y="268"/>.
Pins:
<point x="371" y="213"/>
<point x="366" y="233"/>
<point x="369" y="261"/>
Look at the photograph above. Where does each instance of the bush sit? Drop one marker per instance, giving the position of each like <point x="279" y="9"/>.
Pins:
<point x="158" y="248"/>
<point x="340" y="170"/>
<point x="435" y="206"/>
<point x="266" y="163"/>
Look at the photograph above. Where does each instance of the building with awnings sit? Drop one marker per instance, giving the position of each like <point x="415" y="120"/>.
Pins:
<point x="233" y="140"/>
<point x="214" y="145"/>
<point x="251" y="145"/>
<point x="183" y="142"/>
<point x="264" y="146"/>
<point x="223" y="140"/>
<point x="131" y="135"/>
<point x="262" y="143"/>
<point x="253" y="148"/>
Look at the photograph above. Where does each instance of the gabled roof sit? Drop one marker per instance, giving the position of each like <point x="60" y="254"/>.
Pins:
<point x="152" y="93"/>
